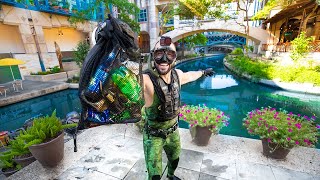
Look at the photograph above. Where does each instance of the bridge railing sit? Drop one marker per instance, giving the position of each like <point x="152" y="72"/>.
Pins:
<point x="61" y="7"/>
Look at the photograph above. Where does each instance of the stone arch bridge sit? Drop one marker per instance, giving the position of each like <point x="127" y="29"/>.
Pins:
<point x="257" y="35"/>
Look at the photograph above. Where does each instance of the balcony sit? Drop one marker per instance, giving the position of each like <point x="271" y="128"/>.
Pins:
<point x="62" y="7"/>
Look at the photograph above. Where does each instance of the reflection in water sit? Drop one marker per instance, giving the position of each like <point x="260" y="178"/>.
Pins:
<point x="14" y="116"/>
<point x="218" y="82"/>
<point x="236" y="96"/>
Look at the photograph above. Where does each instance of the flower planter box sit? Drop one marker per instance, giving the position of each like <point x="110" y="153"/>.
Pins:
<point x="49" y="77"/>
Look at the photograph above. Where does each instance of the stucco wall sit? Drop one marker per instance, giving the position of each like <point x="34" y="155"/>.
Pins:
<point x="10" y="39"/>
<point x="66" y="42"/>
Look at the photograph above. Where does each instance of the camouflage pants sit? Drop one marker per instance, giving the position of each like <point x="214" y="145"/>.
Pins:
<point x="153" y="153"/>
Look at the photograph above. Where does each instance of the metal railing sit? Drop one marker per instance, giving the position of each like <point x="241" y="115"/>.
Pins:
<point x="61" y="7"/>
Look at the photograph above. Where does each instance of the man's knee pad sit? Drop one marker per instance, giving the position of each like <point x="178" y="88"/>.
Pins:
<point x="156" y="177"/>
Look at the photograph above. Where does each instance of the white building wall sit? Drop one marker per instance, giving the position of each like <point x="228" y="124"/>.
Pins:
<point x="67" y="42"/>
<point x="10" y="39"/>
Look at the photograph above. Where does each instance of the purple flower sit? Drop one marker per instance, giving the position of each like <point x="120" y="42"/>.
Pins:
<point x="289" y="123"/>
<point x="299" y="115"/>
<point x="313" y="117"/>
<point x="306" y="140"/>
<point x="288" y="119"/>
<point x="180" y="115"/>
<point x="297" y="142"/>
<point x="196" y="122"/>
<point x="269" y="140"/>
<point x="259" y="123"/>
<point x="288" y="138"/>
<point x="318" y="126"/>
<point x="260" y="118"/>
<point x="290" y="130"/>
<point x="218" y="116"/>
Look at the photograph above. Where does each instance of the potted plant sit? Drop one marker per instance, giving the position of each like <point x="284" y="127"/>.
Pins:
<point x="203" y="121"/>
<point x="45" y="139"/>
<point x="7" y="165"/>
<point x="280" y="131"/>
<point x="21" y="153"/>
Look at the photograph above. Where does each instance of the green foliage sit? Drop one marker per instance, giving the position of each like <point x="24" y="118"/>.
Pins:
<point x="268" y="70"/>
<point x="43" y="130"/>
<point x="80" y="52"/>
<point x="196" y="39"/>
<point x="6" y="160"/>
<point x="256" y="69"/>
<point x="17" y="147"/>
<point x="55" y="69"/>
<point x="204" y="116"/>
<point x="264" y="13"/>
<point x="74" y="79"/>
<point x="237" y="51"/>
<point x="207" y="8"/>
<point x="124" y="7"/>
<point x="317" y="68"/>
<point x="300" y="46"/>
<point x="190" y="56"/>
<point x="286" y="129"/>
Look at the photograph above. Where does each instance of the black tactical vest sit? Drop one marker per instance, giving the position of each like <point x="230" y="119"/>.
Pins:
<point x="168" y="94"/>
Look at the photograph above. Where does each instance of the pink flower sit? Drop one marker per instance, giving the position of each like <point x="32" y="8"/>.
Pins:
<point x="260" y="118"/>
<point x="275" y="128"/>
<point x="288" y="119"/>
<point x="196" y="122"/>
<point x="299" y="115"/>
<point x="191" y="125"/>
<point x="213" y="127"/>
<point x="269" y="140"/>
<point x="247" y="122"/>
<point x="298" y="125"/>
<point x="218" y="116"/>
<point x="289" y="123"/>
<point x="250" y="131"/>
<point x="259" y="123"/>
<point x="204" y="121"/>
<point x="313" y="117"/>
<point x="288" y="138"/>
<point x="306" y="140"/>
<point x="297" y="142"/>
<point x="290" y="130"/>
<point x="318" y="126"/>
<point x="180" y="115"/>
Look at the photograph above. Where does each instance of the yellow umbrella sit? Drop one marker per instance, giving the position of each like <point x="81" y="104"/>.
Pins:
<point x="10" y="62"/>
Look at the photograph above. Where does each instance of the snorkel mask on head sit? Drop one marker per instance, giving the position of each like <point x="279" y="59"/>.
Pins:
<point x="164" y="52"/>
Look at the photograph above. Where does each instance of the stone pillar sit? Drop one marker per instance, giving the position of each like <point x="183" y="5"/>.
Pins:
<point x="317" y="29"/>
<point x="27" y="39"/>
<point x="176" y="19"/>
<point x="153" y="23"/>
<point x="206" y="49"/>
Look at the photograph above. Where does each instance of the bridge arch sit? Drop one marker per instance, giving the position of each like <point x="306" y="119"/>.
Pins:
<point x="257" y="35"/>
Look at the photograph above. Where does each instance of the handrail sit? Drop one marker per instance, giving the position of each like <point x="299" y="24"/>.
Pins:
<point x="55" y="7"/>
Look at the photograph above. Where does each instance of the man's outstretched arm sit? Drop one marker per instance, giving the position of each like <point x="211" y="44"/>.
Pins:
<point x="190" y="76"/>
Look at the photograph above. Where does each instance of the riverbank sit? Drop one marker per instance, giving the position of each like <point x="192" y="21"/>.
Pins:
<point x="306" y="88"/>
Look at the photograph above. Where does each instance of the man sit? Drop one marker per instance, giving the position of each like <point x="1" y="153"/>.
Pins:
<point x="162" y="101"/>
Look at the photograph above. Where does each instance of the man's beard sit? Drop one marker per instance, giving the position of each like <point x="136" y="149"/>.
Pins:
<point x="161" y="72"/>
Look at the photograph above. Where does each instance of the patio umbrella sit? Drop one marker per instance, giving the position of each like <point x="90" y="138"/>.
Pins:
<point x="10" y="62"/>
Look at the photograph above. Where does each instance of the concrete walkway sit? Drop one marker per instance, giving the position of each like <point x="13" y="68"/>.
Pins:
<point x="116" y="152"/>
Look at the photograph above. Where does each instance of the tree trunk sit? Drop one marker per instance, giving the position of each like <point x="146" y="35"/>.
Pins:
<point x="303" y="26"/>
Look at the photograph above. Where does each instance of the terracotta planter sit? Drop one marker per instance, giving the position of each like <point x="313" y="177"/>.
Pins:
<point x="49" y="154"/>
<point x="270" y="151"/>
<point x="200" y="135"/>
<point x="24" y="161"/>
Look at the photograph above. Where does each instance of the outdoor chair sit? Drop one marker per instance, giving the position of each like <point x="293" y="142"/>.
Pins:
<point x="4" y="90"/>
<point x="16" y="83"/>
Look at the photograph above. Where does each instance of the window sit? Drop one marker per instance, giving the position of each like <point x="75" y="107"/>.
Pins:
<point x="143" y="15"/>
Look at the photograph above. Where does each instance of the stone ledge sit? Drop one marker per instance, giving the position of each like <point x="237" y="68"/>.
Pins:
<point x="48" y="77"/>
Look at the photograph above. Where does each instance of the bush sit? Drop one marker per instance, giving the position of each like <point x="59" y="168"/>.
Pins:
<point x="81" y="52"/>
<point x="55" y="69"/>
<point x="300" y="46"/>
<point x="237" y="51"/>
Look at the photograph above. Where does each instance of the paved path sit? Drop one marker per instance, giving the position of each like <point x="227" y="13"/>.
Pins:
<point x="115" y="152"/>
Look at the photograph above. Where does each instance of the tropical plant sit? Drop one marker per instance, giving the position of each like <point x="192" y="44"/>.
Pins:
<point x="44" y="129"/>
<point x="204" y="116"/>
<point x="300" y="46"/>
<point x="282" y="128"/>
<point x="80" y="52"/>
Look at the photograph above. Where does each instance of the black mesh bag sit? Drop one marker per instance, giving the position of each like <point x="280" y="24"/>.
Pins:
<point x="110" y="87"/>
